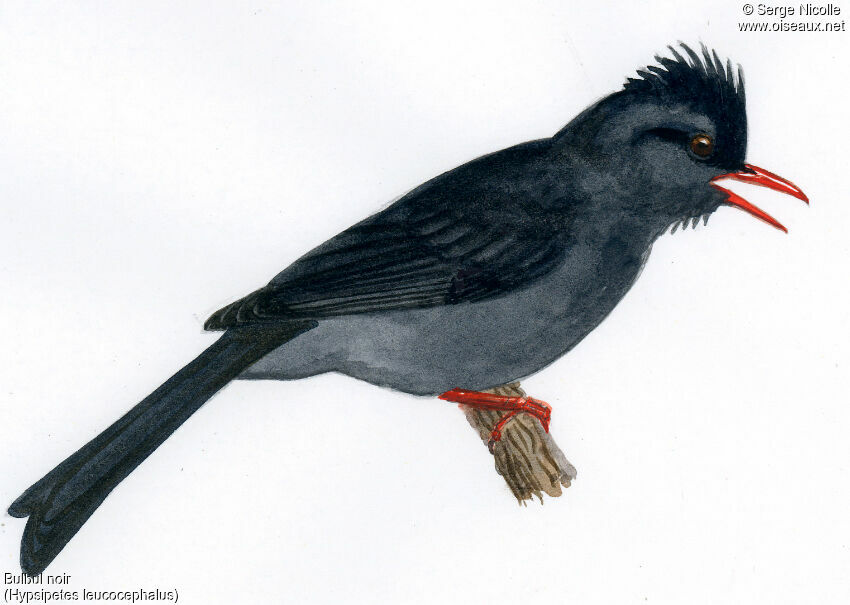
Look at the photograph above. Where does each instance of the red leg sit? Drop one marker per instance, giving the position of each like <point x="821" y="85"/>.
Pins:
<point x="514" y="405"/>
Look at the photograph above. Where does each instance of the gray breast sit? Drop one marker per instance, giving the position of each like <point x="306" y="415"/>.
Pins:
<point x="472" y="345"/>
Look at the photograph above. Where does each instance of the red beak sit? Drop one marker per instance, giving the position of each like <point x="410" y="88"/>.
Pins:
<point x="758" y="176"/>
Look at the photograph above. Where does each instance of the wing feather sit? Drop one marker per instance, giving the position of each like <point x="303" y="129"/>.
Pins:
<point x="460" y="238"/>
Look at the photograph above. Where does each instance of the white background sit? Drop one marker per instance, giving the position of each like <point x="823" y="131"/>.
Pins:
<point x="159" y="159"/>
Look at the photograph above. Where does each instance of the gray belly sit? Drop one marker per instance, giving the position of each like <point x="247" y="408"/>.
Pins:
<point x="471" y="345"/>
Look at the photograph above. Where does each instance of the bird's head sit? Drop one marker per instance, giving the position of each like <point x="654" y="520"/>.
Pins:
<point x="660" y="149"/>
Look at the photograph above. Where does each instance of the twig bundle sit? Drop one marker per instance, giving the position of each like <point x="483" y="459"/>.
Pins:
<point x="526" y="456"/>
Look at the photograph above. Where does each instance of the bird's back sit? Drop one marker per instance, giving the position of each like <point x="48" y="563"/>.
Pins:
<point x="476" y="232"/>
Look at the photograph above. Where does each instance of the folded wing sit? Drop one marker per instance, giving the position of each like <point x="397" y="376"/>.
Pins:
<point x="445" y="243"/>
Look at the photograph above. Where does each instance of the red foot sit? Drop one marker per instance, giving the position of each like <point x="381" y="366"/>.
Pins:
<point x="513" y="405"/>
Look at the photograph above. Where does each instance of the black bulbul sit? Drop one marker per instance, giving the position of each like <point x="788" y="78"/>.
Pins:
<point x="477" y="278"/>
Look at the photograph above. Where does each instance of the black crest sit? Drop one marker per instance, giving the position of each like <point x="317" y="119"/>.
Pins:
<point x="704" y="84"/>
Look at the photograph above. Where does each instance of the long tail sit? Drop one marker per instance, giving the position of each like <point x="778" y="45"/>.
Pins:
<point x="59" y="503"/>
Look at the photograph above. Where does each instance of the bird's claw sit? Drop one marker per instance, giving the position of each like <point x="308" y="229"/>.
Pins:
<point x="513" y="405"/>
<point x="539" y="409"/>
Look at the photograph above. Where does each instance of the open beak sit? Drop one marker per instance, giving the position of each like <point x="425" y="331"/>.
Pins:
<point x="758" y="176"/>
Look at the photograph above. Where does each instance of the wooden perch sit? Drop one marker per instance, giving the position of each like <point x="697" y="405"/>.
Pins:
<point x="527" y="456"/>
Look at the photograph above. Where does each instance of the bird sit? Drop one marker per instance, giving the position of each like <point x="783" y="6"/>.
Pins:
<point x="479" y="277"/>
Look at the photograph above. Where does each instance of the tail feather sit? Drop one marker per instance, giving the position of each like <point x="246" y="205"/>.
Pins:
<point x="59" y="503"/>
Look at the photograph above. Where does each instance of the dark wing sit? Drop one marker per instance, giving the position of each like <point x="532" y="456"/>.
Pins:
<point x="462" y="237"/>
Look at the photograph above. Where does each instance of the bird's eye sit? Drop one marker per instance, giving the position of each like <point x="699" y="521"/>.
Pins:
<point x="702" y="145"/>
